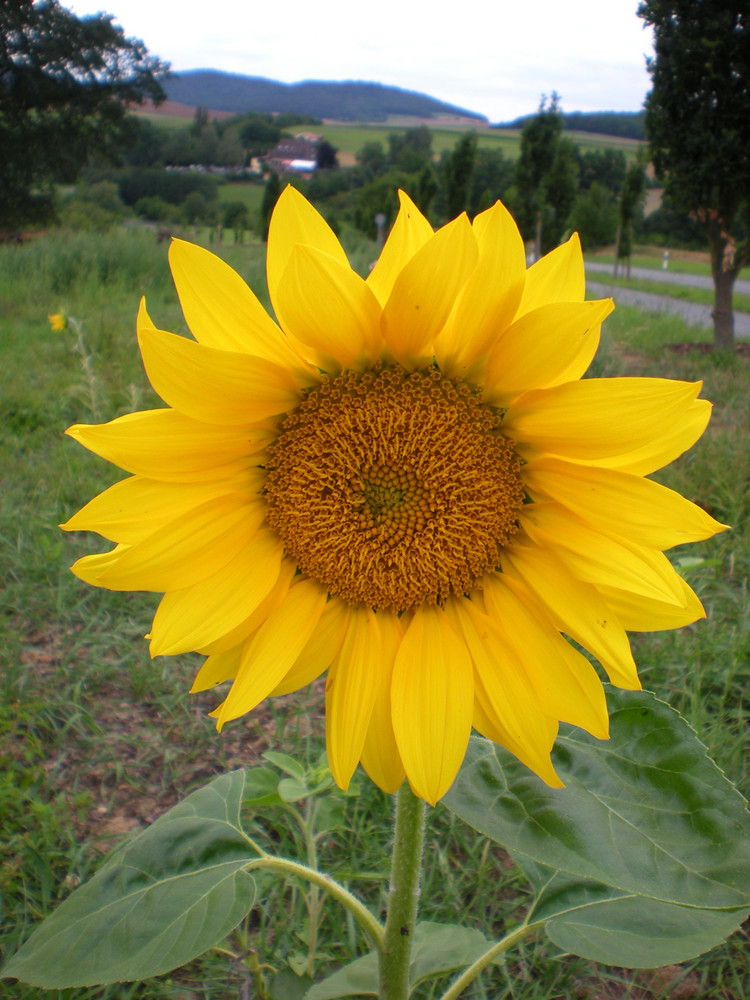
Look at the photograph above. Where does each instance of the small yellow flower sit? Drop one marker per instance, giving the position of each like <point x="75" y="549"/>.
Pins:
<point x="58" y="322"/>
<point x="405" y="482"/>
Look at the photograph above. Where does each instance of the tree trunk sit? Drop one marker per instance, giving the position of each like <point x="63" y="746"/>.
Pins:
<point x="617" y="249"/>
<point x="724" y="269"/>
<point x="723" y="313"/>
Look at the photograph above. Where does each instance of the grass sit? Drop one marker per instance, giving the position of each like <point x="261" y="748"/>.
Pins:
<point x="96" y="740"/>
<point x="681" y="262"/>
<point x="348" y="137"/>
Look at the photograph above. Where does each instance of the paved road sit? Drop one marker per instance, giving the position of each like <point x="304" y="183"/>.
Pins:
<point x="692" y="312"/>
<point x="668" y="277"/>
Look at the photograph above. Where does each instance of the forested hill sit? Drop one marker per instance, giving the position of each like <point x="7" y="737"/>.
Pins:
<point x="345" y="101"/>
<point x="627" y="124"/>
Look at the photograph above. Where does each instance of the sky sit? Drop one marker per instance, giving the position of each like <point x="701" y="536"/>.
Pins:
<point x="494" y="57"/>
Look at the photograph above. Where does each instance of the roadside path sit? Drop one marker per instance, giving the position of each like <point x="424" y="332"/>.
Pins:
<point x="669" y="277"/>
<point x="693" y="313"/>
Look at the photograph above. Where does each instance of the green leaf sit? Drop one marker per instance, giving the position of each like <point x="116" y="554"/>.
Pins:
<point x="286" y="764"/>
<point x="161" y="900"/>
<point x="613" y="927"/>
<point x="286" y="985"/>
<point x="636" y="858"/>
<point x="438" y="949"/>
<point x="291" y="790"/>
<point x="359" y="978"/>
<point x="442" y="948"/>
<point x="261" y="787"/>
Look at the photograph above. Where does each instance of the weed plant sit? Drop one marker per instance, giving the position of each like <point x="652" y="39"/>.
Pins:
<point x="96" y="740"/>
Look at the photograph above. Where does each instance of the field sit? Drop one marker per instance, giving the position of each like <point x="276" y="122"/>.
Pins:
<point x="349" y="137"/>
<point x="96" y="740"/>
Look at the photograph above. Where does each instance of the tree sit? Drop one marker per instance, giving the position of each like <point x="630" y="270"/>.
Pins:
<point x="546" y="174"/>
<point x="594" y="216"/>
<point x="631" y="198"/>
<point x="325" y="157"/>
<point x="271" y="194"/>
<point x="65" y="87"/>
<point x="457" y="169"/>
<point x="698" y="128"/>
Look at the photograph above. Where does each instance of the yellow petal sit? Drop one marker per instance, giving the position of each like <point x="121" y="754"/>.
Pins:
<point x="329" y="307"/>
<point x="221" y="310"/>
<point x="425" y="290"/>
<point x="264" y="610"/>
<point x="620" y="504"/>
<point x="598" y="558"/>
<point x="353" y="682"/>
<point x="321" y="650"/>
<point x="597" y="417"/>
<point x="187" y="550"/>
<point x="217" y="669"/>
<point x="548" y="346"/>
<point x="134" y="508"/>
<point x="653" y="616"/>
<point x="294" y="220"/>
<point x="489" y="298"/>
<point x="168" y="446"/>
<point x="274" y="649"/>
<point x="219" y="387"/>
<point x="507" y="709"/>
<point x="558" y="277"/>
<point x="567" y="685"/>
<point x="191" y="618"/>
<point x="576" y="608"/>
<point x="667" y="442"/>
<point x="380" y="757"/>
<point x="432" y="702"/>
<point x="410" y="232"/>
<point x="90" y="568"/>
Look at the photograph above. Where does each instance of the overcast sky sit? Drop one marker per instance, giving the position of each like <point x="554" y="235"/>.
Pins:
<point x="495" y="57"/>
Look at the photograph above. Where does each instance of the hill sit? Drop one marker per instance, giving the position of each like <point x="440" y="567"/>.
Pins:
<point x="626" y="124"/>
<point x="344" y="101"/>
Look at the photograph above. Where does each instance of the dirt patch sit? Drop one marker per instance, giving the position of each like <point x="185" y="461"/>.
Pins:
<point x="671" y="982"/>
<point x="741" y="348"/>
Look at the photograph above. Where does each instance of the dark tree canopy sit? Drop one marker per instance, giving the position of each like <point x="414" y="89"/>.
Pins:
<point x="65" y="87"/>
<point x="698" y="127"/>
<point x="546" y="176"/>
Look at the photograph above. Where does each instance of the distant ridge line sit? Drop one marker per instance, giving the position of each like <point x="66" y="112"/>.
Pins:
<point x="348" y="100"/>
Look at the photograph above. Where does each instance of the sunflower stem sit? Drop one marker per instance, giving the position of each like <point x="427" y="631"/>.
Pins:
<point x="403" y="897"/>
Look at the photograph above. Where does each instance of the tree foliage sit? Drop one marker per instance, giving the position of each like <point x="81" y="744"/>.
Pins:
<point x="65" y="87"/>
<point x="546" y="176"/>
<point x="698" y="127"/>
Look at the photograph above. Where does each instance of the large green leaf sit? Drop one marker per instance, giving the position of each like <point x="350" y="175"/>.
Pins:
<point x="161" y="900"/>
<point x="438" y="949"/>
<point x="617" y="928"/>
<point x="643" y="858"/>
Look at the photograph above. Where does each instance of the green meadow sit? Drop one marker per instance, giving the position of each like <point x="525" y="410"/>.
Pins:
<point x="348" y="137"/>
<point x="97" y="740"/>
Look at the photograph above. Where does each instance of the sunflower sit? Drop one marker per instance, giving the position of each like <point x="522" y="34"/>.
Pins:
<point x="403" y="481"/>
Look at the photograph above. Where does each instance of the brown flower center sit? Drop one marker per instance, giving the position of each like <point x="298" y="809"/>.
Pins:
<point x="393" y="489"/>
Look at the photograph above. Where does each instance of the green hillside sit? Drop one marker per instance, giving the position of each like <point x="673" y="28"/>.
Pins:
<point x="344" y="101"/>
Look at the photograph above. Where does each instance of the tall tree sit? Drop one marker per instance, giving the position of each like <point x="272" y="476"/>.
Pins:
<point x="698" y="128"/>
<point x="457" y="169"/>
<point x="65" y="88"/>
<point x="546" y="174"/>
